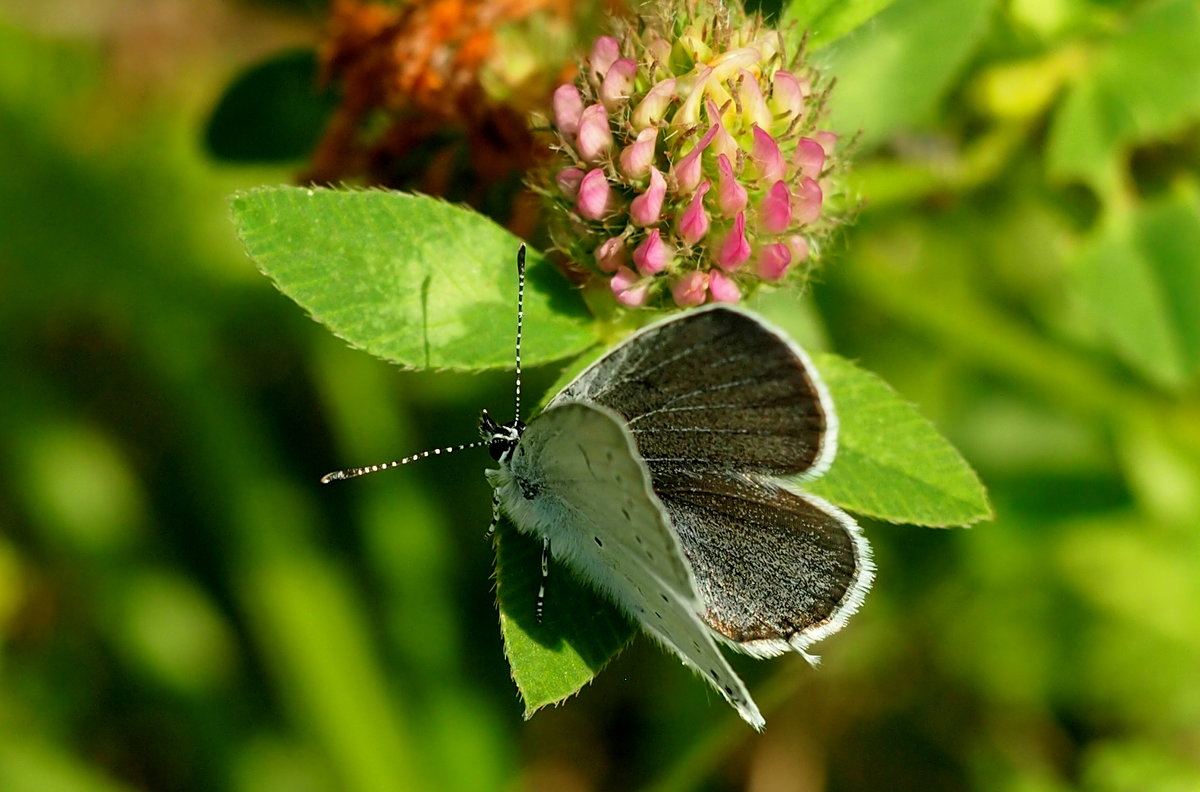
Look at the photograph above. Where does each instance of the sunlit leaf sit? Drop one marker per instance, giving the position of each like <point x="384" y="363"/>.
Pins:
<point x="408" y="278"/>
<point x="828" y="20"/>
<point x="892" y="72"/>
<point x="1139" y="275"/>
<point x="892" y="463"/>
<point x="579" y="633"/>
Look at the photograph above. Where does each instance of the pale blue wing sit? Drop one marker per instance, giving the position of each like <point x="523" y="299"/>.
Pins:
<point x="575" y="478"/>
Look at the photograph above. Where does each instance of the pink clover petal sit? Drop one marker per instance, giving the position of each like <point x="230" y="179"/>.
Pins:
<point x="687" y="170"/>
<point x="799" y="247"/>
<point x="754" y="107"/>
<point x="787" y="94"/>
<point x="722" y="288"/>
<point x="659" y="49"/>
<point x="646" y="209"/>
<point x="628" y="289"/>
<point x="653" y="255"/>
<point x="693" y="223"/>
<point x="691" y="289"/>
<point x="828" y="141"/>
<point x="772" y="261"/>
<point x="568" y="180"/>
<point x="568" y="106"/>
<point x="637" y="157"/>
<point x="807" y="201"/>
<point x="610" y="254"/>
<point x="618" y="83"/>
<point x="605" y="52"/>
<point x="595" y="137"/>
<point x="767" y="158"/>
<point x="693" y="88"/>
<point x="809" y="157"/>
<point x="654" y="105"/>
<point x="731" y="195"/>
<point x="595" y="195"/>
<point x="735" y="249"/>
<point x="775" y="211"/>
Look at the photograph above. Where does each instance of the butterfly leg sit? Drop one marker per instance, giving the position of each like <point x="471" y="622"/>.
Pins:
<point x="495" y="514"/>
<point x="541" y="597"/>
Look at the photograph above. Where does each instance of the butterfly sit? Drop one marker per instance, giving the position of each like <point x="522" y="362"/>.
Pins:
<point x="664" y="476"/>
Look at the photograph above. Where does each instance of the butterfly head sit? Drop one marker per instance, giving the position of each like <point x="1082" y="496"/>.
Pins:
<point x="501" y="439"/>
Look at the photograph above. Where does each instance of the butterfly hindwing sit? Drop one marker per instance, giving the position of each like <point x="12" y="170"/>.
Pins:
<point x="809" y="562"/>
<point x="575" y="477"/>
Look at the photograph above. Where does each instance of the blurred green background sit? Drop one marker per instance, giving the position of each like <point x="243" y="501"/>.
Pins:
<point x="182" y="607"/>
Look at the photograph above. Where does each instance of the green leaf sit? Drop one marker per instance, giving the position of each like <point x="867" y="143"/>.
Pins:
<point x="1144" y="86"/>
<point x="828" y="20"/>
<point x="892" y="73"/>
<point x="891" y="463"/>
<point x="579" y="633"/>
<point x="1139" y="275"/>
<point x="408" y="278"/>
<point x="273" y="112"/>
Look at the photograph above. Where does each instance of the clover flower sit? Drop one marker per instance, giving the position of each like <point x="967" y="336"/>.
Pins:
<point x="692" y="165"/>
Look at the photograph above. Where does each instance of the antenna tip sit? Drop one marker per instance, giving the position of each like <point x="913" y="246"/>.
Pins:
<point x="336" y="475"/>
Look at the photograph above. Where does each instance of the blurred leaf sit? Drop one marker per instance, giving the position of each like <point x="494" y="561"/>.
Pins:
<point x="829" y="20"/>
<point x="29" y="766"/>
<point x="273" y="112"/>
<point x="408" y="278"/>
<point x="579" y="633"/>
<point x="1144" y="86"/>
<point x="891" y="463"/>
<point x="892" y="73"/>
<point x="1139" y="275"/>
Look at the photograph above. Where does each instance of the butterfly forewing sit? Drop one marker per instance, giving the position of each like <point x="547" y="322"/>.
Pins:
<point x="714" y="391"/>
<point x="575" y="478"/>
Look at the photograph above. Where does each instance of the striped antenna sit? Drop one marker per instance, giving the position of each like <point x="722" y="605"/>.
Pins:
<point x="520" y="320"/>
<point x="341" y="475"/>
<point x="506" y="431"/>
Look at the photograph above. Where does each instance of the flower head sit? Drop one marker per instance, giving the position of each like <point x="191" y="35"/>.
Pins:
<point x="693" y="165"/>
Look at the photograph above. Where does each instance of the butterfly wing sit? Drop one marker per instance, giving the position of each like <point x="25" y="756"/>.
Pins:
<point x="717" y="402"/>
<point x="715" y="391"/>
<point x="801" y="565"/>
<point x="575" y="478"/>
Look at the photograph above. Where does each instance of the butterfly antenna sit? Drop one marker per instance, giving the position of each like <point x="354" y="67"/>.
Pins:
<point x="341" y="475"/>
<point x="520" y="320"/>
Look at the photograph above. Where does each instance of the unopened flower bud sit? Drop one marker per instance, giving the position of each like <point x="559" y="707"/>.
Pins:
<point x="605" y="52"/>
<point x="691" y="289"/>
<point x="595" y="137"/>
<point x="610" y="254"/>
<point x="628" y="288"/>
<point x="735" y="249"/>
<point x="722" y="288"/>
<point x="636" y="158"/>
<point x="693" y="223"/>
<point x="809" y="158"/>
<point x="652" y="255"/>
<point x="568" y="106"/>
<point x="775" y="212"/>
<point x="807" y="204"/>
<point x="731" y="195"/>
<point x="595" y="196"/>
<point x="646" y="209"/>
<point x="766" y="157"/>
<point x="772" y="261"/>
<point x="614" y="92"/>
